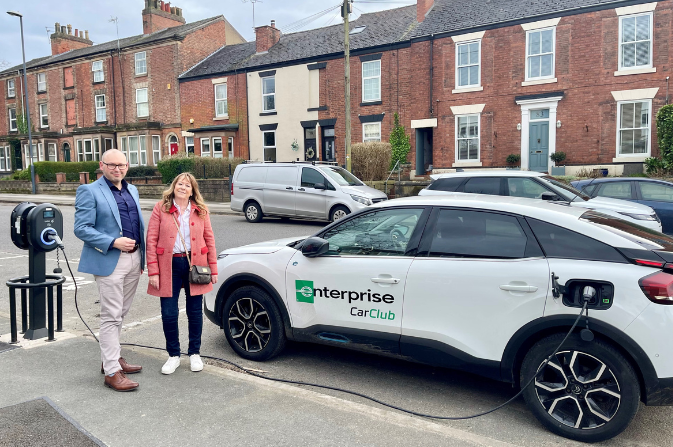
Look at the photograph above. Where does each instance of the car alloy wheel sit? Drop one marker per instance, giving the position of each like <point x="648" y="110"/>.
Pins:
<point x="578" y="390"/>
<point x="249" y="325"/>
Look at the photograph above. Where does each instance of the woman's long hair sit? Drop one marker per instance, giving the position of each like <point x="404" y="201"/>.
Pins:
<point x="196" y="197"/>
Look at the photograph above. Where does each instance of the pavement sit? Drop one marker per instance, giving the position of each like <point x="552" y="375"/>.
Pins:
<point x="213" y="407"/>
<point x="221" y="208"/>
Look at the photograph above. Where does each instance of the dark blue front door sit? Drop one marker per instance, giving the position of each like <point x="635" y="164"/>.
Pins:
<point x="538" y="145"/>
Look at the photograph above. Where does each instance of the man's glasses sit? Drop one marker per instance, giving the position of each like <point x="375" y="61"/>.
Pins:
<point x="112" y="166"/>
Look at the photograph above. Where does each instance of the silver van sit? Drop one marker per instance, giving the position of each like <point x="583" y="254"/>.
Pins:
<point x="304" y="190"/>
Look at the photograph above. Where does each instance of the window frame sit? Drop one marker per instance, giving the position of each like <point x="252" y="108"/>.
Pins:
<point x="274" y="147"/>
<point x="367" y="140"/>
<point x="15" y="120"/>
<point x="6" y="159"/>
<point x="458" y="67"/>
<point x="97" y="72"/>
<point x="620" y="62"/>
<point x="226" y="109"/>
<point x="553" y="53"/>
<point x="362" y="73"/>
<point x="43" y="83"/>
<point x="135" y="151"/>
<point x="220" y="153"/>
<point x="156" y="152"/>
<point x="136" y="60"/>
<point x="146" y="103"/>
<point x="142" y="150"/>
<point x="649" y="127"/>
<point x="457" y="151"/>
<point x="264" y="95"/>
<point x="11" y="92"/>
<point x="43" y="116"/>
<point x="27" y="154"/>
<point x="187" y="145"/>
<point x="208" y="152"/>
<point x="48" y="154"/>
<point x="98" y="108"/>
<point x="230" y="147"/>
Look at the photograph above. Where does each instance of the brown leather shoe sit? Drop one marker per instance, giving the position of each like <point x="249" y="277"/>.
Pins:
<point x="128" y="369"/>
<point x="119" y="382"/>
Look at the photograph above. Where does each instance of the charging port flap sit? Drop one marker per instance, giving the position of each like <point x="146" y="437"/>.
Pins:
<point x="572" y="295"/>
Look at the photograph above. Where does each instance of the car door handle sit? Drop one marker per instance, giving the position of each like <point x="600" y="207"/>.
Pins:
<point x="518" y="288"/>
<point x="386" y="280"/>
<point x="289" y="187"/>
<point x="301" y="189"/>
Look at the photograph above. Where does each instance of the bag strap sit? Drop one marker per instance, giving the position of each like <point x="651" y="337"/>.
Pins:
<point x="183" y="241"/>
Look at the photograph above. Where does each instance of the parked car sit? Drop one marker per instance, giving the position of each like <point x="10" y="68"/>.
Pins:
<point x="656" y="194"/>
<point x="488" y="285"/>
<point x="537" y="185"/>
<point x="305" y="190"/>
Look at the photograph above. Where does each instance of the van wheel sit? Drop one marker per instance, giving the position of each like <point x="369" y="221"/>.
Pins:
<point x="587" y="392"/>
<point x="252" y="324"/>
<point x="253" y="212"/>
<point x="338" y="212"/>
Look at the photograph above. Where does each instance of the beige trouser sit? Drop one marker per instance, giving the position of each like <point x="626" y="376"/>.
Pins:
<point x="116" y="295"/>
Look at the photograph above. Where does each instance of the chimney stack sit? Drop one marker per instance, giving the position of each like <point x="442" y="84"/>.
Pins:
<point x="422" y="8"/>
<point x="159" y="15"/>
<point x="63" y="39"/>
<point x="266" y="36"/>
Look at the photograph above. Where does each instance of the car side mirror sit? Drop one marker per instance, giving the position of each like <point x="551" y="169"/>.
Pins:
<point x="549" y="196"/>
<point x="319" y="186"/>
<point x="314" y="247"/>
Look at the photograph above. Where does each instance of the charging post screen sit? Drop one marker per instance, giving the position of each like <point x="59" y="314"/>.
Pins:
<point x="49" y="214"/>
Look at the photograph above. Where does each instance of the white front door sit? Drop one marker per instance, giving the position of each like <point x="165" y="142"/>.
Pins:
<point x="481" y="277"/>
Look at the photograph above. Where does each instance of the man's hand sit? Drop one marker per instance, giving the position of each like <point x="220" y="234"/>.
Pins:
<point x="154" y="281"/>
<point x="124" y="244"/>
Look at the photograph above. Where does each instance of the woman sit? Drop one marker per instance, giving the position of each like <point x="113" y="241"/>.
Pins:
<point x="169" y="253"/>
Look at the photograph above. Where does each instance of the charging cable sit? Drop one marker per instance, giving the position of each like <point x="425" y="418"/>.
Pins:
<point x="353" y="393"/>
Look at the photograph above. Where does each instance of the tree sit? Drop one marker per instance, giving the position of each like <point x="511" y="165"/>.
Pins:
<point x="665" y="133"/>
<point x="399" y="142"/>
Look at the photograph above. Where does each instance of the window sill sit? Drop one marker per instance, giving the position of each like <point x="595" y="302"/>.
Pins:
<point x="140" y="75"/>
<point x="636" y="71"/>
<point x="371" y="103"/>
<point x="39" y="92"/>
<point x="11" y="97"/>
<point x="220" y="118"/>
<point x="101" y="122"/>
<point x="634" y="159"/>
<point x="539" y="82"/>
<point x="467" y="164"/>
<point x="69" y="88"/>
<point x="99" y="82"/>
<point x="468" y="89"/>
<point x="268" y="113"/>
<point x="317" y="109"/>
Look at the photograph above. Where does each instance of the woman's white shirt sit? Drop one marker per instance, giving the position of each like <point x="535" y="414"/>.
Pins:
<point x="183" y="221"/>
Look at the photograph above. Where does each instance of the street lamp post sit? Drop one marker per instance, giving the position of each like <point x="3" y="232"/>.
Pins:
<point x="25" y="95"/>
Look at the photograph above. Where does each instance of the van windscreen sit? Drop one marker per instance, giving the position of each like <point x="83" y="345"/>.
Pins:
<point x="341" y="176"/>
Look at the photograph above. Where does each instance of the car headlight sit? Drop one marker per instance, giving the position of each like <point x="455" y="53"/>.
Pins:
<point x="650" y="217"/>
<point x="222" y="256"/>
<point x="363" y="200"/>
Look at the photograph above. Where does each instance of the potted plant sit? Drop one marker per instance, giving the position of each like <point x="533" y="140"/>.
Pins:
<point x="513" y="161"/>
<point x="557" y="158"/>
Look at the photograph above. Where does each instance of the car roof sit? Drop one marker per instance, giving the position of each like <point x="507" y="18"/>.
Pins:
<point x="619" y="179"/>
<point x="557" y="213"/>
<point x="493" y="173"/>
<point x="305" y="163"/>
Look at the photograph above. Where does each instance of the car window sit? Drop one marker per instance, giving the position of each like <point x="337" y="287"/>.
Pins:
<point x="483" y="185"/>
<point x="476" y="234"/>
<point x="525" y="187"/>
<point x="309" y="177"/>
<point x="449" y="184"/>
<point x="616" y="190"/>
<point x="564" y="189"/>
<point x="558" y="242"/>
<point x="656" y="191"/>
<point x="379" y="233"/>
<point x="589" y="189"/>
<point x="281" y="175"/>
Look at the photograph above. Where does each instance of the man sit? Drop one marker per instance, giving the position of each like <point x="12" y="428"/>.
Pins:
<point x="109" y="221"/>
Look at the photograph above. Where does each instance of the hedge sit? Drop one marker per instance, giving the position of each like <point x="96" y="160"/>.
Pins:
<point x="201" y="167"/>
<point x="371" y="161"/>
<point x="47" y="170"/>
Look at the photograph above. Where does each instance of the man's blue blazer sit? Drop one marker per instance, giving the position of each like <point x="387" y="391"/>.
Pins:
<point x="97" y="223"/>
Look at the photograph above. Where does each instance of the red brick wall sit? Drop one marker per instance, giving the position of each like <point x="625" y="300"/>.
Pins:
<point x="198" y="103"/>
<point x="61" y="45"/>
<point x="154" y="22"/>
<point x="266" y="37"/>
<point x="201" y="44"/>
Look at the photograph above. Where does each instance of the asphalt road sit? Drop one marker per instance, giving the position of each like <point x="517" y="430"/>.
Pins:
<point x="416" y="387"/>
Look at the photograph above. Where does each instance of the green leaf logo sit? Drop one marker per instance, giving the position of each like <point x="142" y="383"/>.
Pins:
<point x="304" y="291"/>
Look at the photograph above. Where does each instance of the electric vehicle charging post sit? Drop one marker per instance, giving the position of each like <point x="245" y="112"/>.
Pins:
<point x="38" y="229"/>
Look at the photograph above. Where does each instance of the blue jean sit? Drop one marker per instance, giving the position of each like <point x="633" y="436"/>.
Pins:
<point x="169" y="312"/>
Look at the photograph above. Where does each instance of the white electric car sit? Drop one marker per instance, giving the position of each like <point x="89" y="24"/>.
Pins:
<point x="537" y="185"/>
<point x="484" y="284"/>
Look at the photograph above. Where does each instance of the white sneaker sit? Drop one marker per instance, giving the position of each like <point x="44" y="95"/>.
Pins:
<point x="195" y="362"/>
<point x="171" y="365"/>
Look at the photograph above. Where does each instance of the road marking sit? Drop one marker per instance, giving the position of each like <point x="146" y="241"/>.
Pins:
<point x="14" y="257"/>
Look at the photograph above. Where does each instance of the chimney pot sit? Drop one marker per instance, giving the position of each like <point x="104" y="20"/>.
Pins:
<point x="273" y="23"/>
<point x="57" y="27"/>
<point x="173" y="10"/>
<point x="69" y="29"/>
<point x="76" y="32"/>
<point x="63" y="29"/>
<point x="86" y="34"/>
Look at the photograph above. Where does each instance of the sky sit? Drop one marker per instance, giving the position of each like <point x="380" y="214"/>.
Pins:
<point x="94" y="16"/>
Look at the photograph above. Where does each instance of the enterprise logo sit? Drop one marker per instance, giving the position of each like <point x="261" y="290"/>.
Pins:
<point x="306" y="293"/>
<point x="304" y="290"/>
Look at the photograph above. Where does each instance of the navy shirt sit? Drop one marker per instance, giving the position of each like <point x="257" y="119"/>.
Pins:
<point x="128" y="211"/>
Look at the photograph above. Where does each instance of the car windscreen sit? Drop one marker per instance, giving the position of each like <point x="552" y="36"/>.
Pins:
<point x="563" y="189"/>
<point x="646" y="237"/>
<point x="341" y="176"/>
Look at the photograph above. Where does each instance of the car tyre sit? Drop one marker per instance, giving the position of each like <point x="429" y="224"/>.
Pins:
<point x="588" y="392"/>
<point x="253" y="212"/>
<point x="252" y="324"/>
<point x="338" y="212"/>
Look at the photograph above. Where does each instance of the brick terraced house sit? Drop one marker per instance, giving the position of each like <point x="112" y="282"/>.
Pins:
<point x="85" y="98"/>
<point x="472" y="80"/>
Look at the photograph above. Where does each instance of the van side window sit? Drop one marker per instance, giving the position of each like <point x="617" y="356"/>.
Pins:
<point x="281" y="175"/>
<point x="252" y="174"/>
<point x="449" y="184"/>
<point x="558" y="242"/>
<point x="309" y="177"/>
